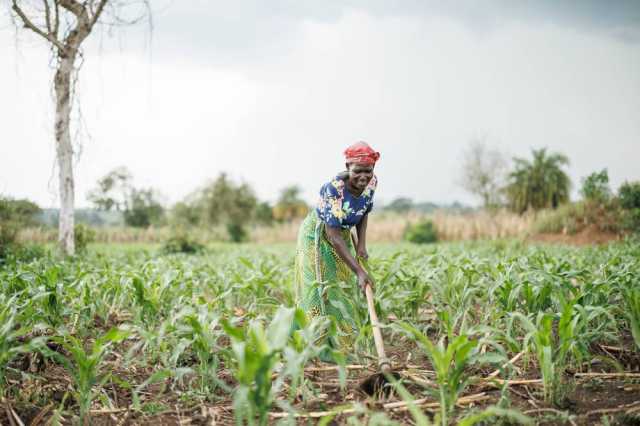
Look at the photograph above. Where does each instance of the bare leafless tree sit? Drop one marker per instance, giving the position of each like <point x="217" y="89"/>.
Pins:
<point x="483" y="172"/>
<point x="65" y="25"/>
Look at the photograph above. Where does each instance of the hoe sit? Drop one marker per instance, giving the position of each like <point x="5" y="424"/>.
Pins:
<point x="378" y="383"/>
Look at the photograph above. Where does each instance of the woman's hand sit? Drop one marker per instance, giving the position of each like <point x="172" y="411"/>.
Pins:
<point x="364" y="280"/>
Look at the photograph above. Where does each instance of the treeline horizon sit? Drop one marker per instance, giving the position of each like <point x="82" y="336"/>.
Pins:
<point x="522" y="185"/>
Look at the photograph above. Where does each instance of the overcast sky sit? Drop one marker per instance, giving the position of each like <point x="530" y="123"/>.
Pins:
<point x="273" y="91"/>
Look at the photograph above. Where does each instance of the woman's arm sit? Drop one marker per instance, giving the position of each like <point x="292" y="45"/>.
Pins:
<point x="335" y="238"/>
<point x="361" y="230"/>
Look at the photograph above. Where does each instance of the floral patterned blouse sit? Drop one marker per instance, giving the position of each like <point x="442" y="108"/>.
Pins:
<point x="338" y="208"/>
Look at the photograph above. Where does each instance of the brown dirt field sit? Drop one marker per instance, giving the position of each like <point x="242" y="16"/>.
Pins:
<point x="588" y="398"/>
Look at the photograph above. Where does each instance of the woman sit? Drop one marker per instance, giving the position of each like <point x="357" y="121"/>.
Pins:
<point x="325" y="253"/>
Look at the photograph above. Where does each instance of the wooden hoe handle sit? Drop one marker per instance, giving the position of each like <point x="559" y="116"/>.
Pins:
<point x="377" y="335"/>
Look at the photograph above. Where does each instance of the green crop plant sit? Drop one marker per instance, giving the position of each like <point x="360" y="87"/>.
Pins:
<point x="200" y="331"/>
<point x="156" y="343"/>
<point x="560" y="305"/>
<point x="85" y="366"/>
<point x="540" y="338"/>
<point x="556" y="346"/>
<point x="157" y="288"/>
<point x="453" y="297"/>
<point x="449" y="362"/>
<point x="12" y="336"/>
<point x="305" y="344"/>
<point x="148" y="307"/>
<point x="51" y="295"/>
<point x="260" y="284"/>
<point x="632" y="312"/>
<point x="506" y="290"/>
<point x="255" y="352"/>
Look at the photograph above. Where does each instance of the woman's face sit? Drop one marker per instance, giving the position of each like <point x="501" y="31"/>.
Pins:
<point x="359" y="175"/>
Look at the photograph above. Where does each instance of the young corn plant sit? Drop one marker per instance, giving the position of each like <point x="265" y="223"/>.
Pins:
<point x="148" y="304"/>
<point x="449" y="362"/>
<point x="85" y="366"/>
<point x="632" y="312"/>
<point x="157" y="344"/>
<point x="305" y="344"/>
<point x="454" y="297"/>
<point x="553" y="350"/>
<point x="51" y="295"/>
<point x="11" y="336"/>
<point x="200" y="331"/>
<point x="255" y="351"/>
<point x="259" y="284"/>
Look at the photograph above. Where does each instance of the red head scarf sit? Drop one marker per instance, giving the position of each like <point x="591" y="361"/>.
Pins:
<point x="361" y="152"/>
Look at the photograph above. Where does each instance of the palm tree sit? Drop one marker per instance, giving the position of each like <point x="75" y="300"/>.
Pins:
<point x="538" y="184"/>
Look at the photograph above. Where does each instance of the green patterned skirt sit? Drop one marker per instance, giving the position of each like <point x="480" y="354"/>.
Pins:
<point x="318" y="271"/>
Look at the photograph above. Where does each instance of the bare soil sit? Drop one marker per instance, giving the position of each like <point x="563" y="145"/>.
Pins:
<point x="43" y="386"/>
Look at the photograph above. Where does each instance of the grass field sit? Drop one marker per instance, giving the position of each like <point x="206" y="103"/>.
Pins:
<point x="482" y="332"/>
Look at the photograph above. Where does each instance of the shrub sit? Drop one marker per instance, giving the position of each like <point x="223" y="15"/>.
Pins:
<point x="629" y="194"/>
<point x="143" y="209"/>
<point x="264" y="214"/>
<point x="236" y="232"/>
<point x="572" y="218"/>
<point x="421" y="233"/>
<point x="14" y="215"/>
<point x="23" y="212"/>
<point x="629" y="197"/>
<point x="8" y="233"/>
<point x="631" y="220"/>
<point x="182" y="242"/>
<point x="595" y="187"/>
<point x="567" y="219"/>
<point x="83" y="235"/>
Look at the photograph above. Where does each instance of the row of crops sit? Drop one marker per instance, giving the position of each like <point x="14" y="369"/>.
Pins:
<point x="137" y="336"/>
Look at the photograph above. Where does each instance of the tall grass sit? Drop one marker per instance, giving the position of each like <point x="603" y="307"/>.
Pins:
<point x="383" y="227"/>
<point x="390" y="227"/>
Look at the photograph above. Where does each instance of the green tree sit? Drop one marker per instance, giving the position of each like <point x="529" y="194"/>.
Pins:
<point x="400" y="205"/>
<point x="186" y="213"/>
<point x="229" y="203"/>
<point x="595" y="187"/>
<point x="14" y="215"/>
<point x="540" y="183"/>
<point x="23" y="212"/>
<point x="264" y="213"/>
<point x="112" y="190"/>
<point x="290" y="206"/>
<point x="629" y="194"/>
<point x="115" y="191"/>
<point x="143" y="209"/>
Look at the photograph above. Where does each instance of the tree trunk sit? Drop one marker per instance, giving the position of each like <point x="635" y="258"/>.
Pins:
<point x="86" y="15"/>
<point x="64" y="150"/>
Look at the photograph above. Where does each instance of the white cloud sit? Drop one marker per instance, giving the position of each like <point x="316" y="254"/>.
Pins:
<point x="416" y="89"/>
